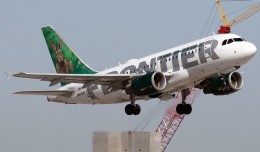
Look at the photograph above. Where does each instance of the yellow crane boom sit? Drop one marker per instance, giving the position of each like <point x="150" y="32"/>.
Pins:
<point x="222" y="14"/>
<point x="225" y="28"/>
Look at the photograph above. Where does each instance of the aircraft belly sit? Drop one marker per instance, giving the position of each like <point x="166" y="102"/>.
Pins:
<point x="179" y="79"/>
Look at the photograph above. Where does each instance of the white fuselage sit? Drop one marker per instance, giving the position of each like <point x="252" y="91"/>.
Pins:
<point x="189" y="64"/>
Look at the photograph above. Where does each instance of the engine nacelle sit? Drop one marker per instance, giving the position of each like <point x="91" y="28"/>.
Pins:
<point x="149" y="84"/>
<point x="226" y="85"/>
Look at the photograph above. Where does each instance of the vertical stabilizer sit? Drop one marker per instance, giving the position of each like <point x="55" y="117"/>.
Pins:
<point x="65" y="60"/>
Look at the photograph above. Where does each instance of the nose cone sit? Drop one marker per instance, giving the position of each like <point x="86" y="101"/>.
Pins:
<point x="250" y="50"/>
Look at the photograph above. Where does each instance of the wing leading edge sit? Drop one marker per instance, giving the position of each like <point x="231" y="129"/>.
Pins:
<point x="47" y="93"/>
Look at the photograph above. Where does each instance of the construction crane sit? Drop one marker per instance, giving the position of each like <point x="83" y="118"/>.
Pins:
<point x="226" y="25"/>
<point x="171" y="120"/>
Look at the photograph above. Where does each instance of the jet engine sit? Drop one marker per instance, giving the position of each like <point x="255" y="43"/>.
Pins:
<point x="225" y="85"/>
<point x="149" y="84"/>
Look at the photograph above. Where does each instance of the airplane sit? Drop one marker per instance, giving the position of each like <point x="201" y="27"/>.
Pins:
<point x="209" y="64"/>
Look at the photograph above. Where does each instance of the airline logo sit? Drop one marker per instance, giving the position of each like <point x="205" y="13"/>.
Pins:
<point x="205" y="51"/>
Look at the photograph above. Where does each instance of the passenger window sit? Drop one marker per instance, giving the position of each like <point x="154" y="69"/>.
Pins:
<point x="224" y="42"/>
<point x="230" y="41"/>
<point x="238" y="39"/>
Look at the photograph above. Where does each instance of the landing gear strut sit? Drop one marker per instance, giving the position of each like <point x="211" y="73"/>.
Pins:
<point x="132" y="109"/>
<point x="184" y="108"/>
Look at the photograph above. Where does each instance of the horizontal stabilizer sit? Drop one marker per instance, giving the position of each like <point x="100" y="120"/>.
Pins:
<point x="46" y="93"/>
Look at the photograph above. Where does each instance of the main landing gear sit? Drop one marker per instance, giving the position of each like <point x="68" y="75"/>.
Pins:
<point x="132" y="109"/>
<point x="184" y="108"/>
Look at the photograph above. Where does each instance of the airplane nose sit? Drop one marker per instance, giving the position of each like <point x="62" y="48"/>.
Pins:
<point x="250" y="50"/>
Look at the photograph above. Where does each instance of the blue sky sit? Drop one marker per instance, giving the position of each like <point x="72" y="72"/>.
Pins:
<point x="104" y="33"/>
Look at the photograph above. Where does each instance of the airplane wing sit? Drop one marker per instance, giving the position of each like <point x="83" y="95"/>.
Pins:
<point x="47" y="93"/>
<point x="87" y="79"/>
<point x="116" y="80"/>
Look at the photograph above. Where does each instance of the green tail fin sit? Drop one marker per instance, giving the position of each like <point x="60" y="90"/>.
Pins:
<point x="64" y="58"/>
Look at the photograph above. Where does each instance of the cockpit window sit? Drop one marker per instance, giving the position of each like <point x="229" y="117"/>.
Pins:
<point x="224" y="42"/>
<point x="230" y="41"/>
<point x="238" y="39"/>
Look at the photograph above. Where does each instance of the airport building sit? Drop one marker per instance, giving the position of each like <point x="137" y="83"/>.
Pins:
<point x="126" y="142"/>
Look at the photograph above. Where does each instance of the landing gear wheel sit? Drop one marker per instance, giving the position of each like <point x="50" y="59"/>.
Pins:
<point x="183" y="109"/>
<point x="128" y="109"/>
<point x="136" y="109"/>
<point x="180" y="109"/>
<point x="188" y="109"/>
<point x="132" y="109"/>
